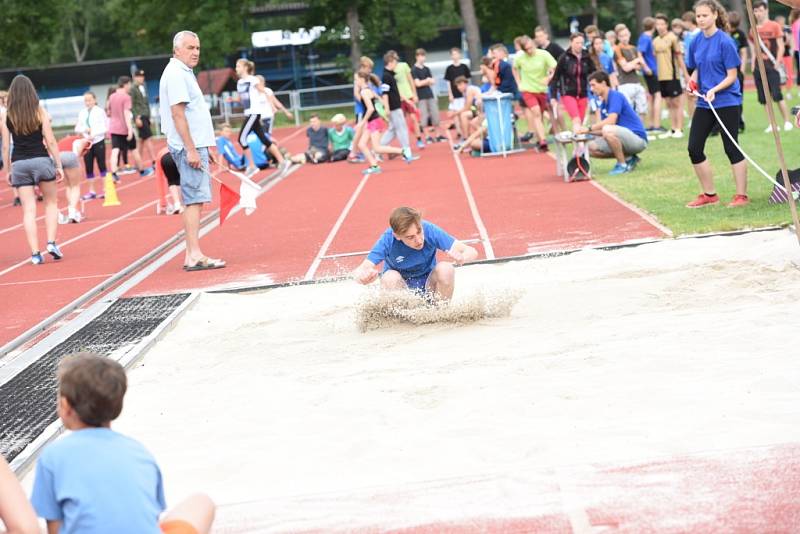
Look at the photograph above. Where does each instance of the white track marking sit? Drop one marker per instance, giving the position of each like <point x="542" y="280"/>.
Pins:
<point x="473" y="207"/>
<point x="85" y="234"/>
<point x="312" y="270"/>
<point x="48" y="280"/>
<point x="120" y="188"/>
<point x="641" y="213"/>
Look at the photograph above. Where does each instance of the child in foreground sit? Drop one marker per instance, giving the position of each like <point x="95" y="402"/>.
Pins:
<point x="95" y="480"/>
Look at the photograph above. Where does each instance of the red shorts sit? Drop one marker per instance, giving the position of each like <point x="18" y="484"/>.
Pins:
<point x="408" y="107"/>
<point x="575" y="106"/>
<point x="533" y="100"/>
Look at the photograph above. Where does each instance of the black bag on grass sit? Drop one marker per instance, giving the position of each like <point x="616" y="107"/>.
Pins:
<point x="778" y="195"/>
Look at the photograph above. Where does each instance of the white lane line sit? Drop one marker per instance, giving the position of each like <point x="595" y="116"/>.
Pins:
<point x="39" y="218"/>
<point x="473" y="207"/>
<point x="48" y="280"/>
<point x="85" y="234"/>
<point x="638" y="211"/>
<point x="323" y="250"/>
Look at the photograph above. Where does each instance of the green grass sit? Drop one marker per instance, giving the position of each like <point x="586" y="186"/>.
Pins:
<point x="664" y="181"/>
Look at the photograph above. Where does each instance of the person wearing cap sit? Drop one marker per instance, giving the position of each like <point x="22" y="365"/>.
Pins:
<point x="141" y="114"/>
<point x="341" y="138"/>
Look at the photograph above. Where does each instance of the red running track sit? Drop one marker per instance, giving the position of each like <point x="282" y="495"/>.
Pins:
<point x="317" y="222"/>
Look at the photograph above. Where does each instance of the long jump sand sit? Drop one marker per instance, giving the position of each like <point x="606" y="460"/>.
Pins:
<point x="294" y="420"/>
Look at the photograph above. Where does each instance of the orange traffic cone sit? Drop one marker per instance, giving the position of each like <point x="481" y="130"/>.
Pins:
<point x="110" y="192"/>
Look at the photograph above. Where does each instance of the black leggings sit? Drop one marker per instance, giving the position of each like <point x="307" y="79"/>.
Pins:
<point x="703" y="122"/>
<point x="253" y="124"/>
<point x="96" y="153"/>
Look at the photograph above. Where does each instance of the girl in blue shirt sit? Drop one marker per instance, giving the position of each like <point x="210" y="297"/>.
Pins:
<point x="715" y="58"/>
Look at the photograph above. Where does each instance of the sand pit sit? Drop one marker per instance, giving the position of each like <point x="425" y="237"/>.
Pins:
<point x="293" y="419"/>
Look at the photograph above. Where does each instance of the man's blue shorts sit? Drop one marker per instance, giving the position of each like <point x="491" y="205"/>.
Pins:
<point x="195" y="183"/>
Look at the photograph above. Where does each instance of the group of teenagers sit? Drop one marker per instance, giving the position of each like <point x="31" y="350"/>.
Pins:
<point x="611" y="88"/>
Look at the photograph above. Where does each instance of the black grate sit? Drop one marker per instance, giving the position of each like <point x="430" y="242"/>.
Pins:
<point x="27" y="401"/>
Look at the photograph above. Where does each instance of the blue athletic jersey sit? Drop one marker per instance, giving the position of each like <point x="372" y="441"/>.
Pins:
<point x="712" y="57"/>
<point x="409" y="262"/>
<point x="228" y="151"/>
<point x="645" y="46"/>
<point x="617" y="103"/>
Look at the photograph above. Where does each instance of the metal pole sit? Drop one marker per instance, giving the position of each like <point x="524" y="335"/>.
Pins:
<point x="771" y="113"/>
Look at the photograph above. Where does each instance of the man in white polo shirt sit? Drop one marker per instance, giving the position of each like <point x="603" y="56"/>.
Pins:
<point x="186" y="121"/>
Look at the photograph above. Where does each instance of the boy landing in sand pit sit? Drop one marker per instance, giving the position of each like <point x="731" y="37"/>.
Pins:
<point x="98" y="481"/>
<point x="408" y="251"/>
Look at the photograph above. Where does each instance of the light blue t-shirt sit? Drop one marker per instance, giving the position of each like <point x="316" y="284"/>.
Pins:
<point x="256" y="147"/>
<point x="645" y="46"/>
<point x="607" y="63"/>
<point x="178" y="85"/>
<point x="409" y="262"/>
<point x="626" y="117"/>
<point x="688" y="37"/>
<point x="229" y="152"/>
<point x="98" y="481"/>
<point x="712" y="57"/>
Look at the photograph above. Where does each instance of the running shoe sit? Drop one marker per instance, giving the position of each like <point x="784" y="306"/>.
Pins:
<point x="115" y="177"/>
<point x="75" y="217"/>
<point x="739" y="201"/>
<point x="787" y="126"/>
<point x="62" y="218"/>
<point x="420" y="144"/>
<point x="441" y="138"/>
<point x="17" y="202"/>
<point x="89" y="196"/>
<point x="667" y="135"/>
<point x="283" y="167"/>
<point x="633" y="161"/>
<point x="357" y="159"/>
<point x="543" y="147"/>
<point x="769" y="129"/>
<point x="37" y="258"/>
<point x="457" y="147"/>
<point x="429" y="140"/>
<point x="374" y="169"/>
<point x="702" y="200"/>
<point x="54" y="251"/>
<point x="527" y="137"/>
<point x="619" y="168"/>
<point x="408" y="157"/>
<point x="677" y="134"/>
<point x="147" y="172"/>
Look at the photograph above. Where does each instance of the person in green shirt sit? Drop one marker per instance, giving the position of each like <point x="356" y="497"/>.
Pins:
<point x="533" y="68"/>
<point x="341" y="138"/>
<point x="408" y="95"/>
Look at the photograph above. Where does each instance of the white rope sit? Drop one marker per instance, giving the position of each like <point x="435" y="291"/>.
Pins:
<point x="794" y="194"/>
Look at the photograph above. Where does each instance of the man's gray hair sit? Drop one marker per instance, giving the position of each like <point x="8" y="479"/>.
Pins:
<point x="178" y="39"/>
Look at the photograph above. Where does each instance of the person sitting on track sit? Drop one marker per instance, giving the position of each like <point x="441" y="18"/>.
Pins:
<point x="622" y="131"/>
<point x="95" y="480"/>
<point x="225" y="146"/>
<point x="341" y="137"/>
<point x="408" y="252"/>
<point x="318" y="150"/>
<point x="16" y="513"/>
<point x="167" y="170"/>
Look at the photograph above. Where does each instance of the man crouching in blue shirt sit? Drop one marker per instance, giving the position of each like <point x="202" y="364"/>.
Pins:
<point x="408" y="252"/>
<point x="622" y="131"/>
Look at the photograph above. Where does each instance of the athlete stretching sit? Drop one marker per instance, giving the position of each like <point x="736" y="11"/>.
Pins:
<point x="408" y="252"/>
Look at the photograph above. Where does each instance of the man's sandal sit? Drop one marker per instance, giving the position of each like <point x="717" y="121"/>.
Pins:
<point x="205" y="264"/>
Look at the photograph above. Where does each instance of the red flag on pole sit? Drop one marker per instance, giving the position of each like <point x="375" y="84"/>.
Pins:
<point x="228" y="198"/>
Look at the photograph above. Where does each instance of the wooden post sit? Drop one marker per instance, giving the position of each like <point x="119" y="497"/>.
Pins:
<point x="776" y="132"/>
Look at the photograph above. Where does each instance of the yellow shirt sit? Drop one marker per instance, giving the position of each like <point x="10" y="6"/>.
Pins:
<point x="666" y="48"/>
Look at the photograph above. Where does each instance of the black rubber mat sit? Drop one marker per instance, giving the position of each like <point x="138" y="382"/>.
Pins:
<point x="28" y="400"/>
